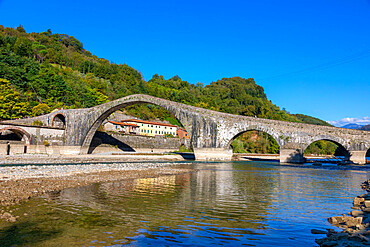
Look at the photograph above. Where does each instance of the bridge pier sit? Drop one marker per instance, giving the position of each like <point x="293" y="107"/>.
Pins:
<point x="291" y="156"/>
<point x="213" y="154"/>
<point x="358" y="157"/>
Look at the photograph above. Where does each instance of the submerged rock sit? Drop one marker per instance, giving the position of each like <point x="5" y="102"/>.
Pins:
<point x="316" y="231"/>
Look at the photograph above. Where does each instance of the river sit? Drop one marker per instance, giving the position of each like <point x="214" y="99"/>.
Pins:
<point x="230" y="204"/>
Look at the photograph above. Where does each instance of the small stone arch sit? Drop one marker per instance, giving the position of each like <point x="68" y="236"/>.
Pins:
<point x="343" y="146"/>
<point x="23" y="135"/>
<point x="59" y="120"/>
<point x="110" y="107"/>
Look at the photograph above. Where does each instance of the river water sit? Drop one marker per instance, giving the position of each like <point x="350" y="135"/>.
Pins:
<point x="229" y="204"/>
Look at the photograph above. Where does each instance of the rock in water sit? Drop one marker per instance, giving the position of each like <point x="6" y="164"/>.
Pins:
<point x="356" y="213"/>
<point x="358" y="201"/>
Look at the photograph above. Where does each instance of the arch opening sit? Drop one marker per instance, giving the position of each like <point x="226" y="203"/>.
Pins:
<point x="13" y="140"/>
<point x="255" y="145"/>
<point x="137" y="127"/>
<point x="326" y="150"/>
<point x="367" y="156"/>
<point x="59" y="120"/>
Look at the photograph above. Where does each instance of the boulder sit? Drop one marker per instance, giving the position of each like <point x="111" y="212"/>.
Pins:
<point x="366" y="210"/>
<point x="345" y="220"/>
<point x="358" y="201"/>
<point x="352" y="222"/>
<point x="356" y="213"/>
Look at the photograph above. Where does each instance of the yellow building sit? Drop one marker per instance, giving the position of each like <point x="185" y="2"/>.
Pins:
<point x="153" y="128"/>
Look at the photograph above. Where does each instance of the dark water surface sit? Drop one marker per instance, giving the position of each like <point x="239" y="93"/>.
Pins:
<point x="230" y="204"/>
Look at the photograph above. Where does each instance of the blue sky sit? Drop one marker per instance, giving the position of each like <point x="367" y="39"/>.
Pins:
<point x="311" y="57"/>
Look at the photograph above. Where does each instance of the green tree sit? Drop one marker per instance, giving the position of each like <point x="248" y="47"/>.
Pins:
<point x="11" y="104"/>
<point x="40" y="51"/>
<point x="40" y="109"/>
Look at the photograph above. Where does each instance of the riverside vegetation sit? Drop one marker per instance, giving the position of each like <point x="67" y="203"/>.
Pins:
<point x="40" y="72"/>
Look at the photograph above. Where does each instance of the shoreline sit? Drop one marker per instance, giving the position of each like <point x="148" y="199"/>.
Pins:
<point x="355" y="225"/>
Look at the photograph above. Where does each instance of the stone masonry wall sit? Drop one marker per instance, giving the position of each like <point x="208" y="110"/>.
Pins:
<point x="136" y="143"/>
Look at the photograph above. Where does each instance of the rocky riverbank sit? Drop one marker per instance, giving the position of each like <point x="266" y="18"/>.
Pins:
<point x="19" y="183"/>
<point x="355" y="225"/>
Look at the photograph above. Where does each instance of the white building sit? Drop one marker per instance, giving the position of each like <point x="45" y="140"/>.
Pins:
<point x="153" y="128"/>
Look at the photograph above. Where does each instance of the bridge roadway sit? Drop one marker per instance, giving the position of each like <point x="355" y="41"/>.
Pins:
<point x="211" y="132"/>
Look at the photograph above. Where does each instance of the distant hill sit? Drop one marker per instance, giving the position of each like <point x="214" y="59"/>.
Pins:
<point x="352" y="126"/>
<point x="311" y="120"/>
<point x="365" y="127"/>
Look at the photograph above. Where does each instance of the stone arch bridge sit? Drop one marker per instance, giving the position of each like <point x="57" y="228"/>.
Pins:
<point x="211" y="132"/>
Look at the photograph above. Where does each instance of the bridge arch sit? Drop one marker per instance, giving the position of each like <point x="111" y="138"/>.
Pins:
<point x="104" y="110"/>
<point x="21" y="133"/>
<point x="59" y="120"/>
<point x="343" y="147"/>
<point x="260" y="128"/>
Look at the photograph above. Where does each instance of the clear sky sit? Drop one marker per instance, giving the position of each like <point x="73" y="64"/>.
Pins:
<point x="312" y="57"/>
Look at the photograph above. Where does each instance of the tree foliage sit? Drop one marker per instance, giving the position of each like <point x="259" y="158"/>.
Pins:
<point x="11" y="103"/>
<point x="255" y="142"/>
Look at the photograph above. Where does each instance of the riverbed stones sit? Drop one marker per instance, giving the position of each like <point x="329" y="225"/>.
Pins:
<point x="356" y="228"/>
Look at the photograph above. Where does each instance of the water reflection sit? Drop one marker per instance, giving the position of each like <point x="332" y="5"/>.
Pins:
<point x="232" y="204"/>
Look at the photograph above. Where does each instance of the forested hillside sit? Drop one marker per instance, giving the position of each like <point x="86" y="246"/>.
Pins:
<point x="43" y="71"/>
<point x="40" y="72"/>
